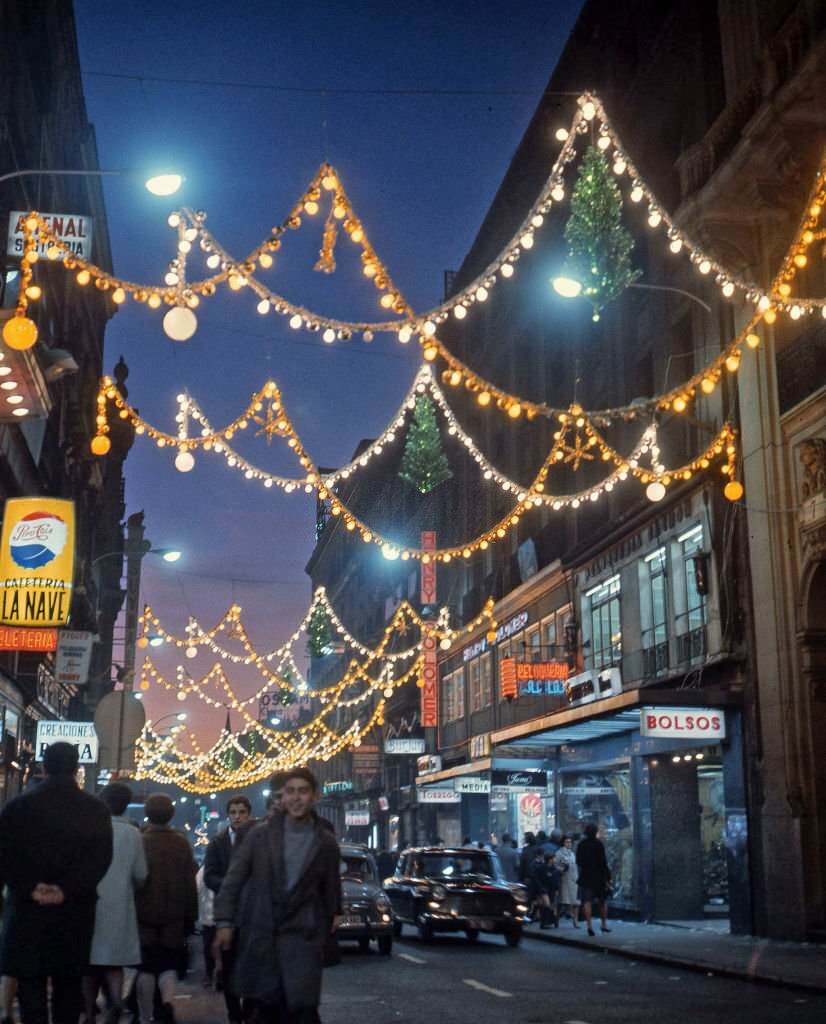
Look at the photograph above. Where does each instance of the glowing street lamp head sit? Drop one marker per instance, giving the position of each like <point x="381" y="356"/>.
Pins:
<point x="164" y="184"/>
<point x="170" y="554"/>
<point x="567" y="287"/>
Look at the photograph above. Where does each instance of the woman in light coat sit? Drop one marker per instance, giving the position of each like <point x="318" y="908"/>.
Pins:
<point x="115" y="943"/>
<point x="566" y="862"/>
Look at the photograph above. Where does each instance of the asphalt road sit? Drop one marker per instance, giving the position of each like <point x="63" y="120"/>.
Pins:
<point x="451" y="982"/>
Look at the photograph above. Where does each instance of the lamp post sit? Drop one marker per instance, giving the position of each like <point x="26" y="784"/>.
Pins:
<point x="570" y="288"/>
<point x="158" y="184"/>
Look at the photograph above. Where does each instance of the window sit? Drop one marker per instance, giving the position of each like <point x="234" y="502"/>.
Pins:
<point x="689" y="603"/>
<point x="602" y="608"/>
<point x="453" y="696"/>
<point x="533" y="644"/>
<point x="654" y="612"/>
<point x="480" y="682"/>
<point x="552" y="631"/>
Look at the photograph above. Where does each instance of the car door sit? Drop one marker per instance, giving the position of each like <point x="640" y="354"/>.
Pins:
<point x="402" y="891"/>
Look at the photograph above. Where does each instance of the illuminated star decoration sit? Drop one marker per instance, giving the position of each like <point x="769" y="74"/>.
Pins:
<point x="577" y="452"/>
<point x="270" y="424"/>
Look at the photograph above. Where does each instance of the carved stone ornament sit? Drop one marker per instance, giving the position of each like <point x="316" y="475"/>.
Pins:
<point x="813" y="460"/>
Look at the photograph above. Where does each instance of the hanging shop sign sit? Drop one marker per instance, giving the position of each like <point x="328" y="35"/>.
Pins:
<point x="428" y="764"/>
<point x="532" y="678"/>
<point x="438" y="795"/>
<point x="472" y="784"/>
<point x="683" y="723"/>
<point x="73" y="230"/>
<point x="529" y="813"/>
<point x="524" y="779"/>
<point x="428" y="569"/>
<point x="81" y="735"/>
<point x="27" y="639"/>
<point x="406" y="745"/>
<point x="430" y="678"/>
<point x="480" y="746"/>
<point x="344" y="786"/>
<point x="504" y="632"/>
<point x="37" y="561"/>
<point x="366" y="760"/>
<point x="356" y="819"/>
<point x="74" y="653"/>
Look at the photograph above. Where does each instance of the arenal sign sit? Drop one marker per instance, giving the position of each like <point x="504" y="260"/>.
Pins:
<point x="683" y="723"/>
<point x="74" y="231"/>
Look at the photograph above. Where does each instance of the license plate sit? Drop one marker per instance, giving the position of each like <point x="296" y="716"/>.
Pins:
<point x="352" y="919"/>
<point x="482" y="923"/>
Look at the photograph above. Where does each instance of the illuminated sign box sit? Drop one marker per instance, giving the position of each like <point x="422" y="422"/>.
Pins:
<point x="37" y="562"/>
<point x="683" y="723"/>
<point x="27" y="639"/>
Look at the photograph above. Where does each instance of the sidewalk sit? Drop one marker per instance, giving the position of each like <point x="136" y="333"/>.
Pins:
<point x="702" y="946"/>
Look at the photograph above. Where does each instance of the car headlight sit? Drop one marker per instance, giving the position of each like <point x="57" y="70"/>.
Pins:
<point x="439" y="892"/>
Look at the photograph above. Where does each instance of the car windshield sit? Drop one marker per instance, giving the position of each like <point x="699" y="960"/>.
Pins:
<point x="356" y="867"/>
<point x="436" y="865"/>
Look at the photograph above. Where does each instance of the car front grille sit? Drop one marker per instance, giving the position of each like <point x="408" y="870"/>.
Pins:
<point x="487" y="904"/>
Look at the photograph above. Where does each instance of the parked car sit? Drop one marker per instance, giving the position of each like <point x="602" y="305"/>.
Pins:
<point x="451" y="890"/>
<point x="366" y="909"/>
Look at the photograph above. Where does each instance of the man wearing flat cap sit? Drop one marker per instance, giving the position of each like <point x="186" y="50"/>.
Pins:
<point x="283" y="889"/>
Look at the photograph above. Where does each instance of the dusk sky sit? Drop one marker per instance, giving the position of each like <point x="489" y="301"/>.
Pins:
<point x="419" y="107"/>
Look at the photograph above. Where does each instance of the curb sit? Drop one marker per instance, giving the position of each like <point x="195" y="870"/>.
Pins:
<point x="711" y="969"/>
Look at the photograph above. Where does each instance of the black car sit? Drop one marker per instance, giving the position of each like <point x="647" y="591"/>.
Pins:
<point x="453" y="890"/>
<point x="366" y="912"/>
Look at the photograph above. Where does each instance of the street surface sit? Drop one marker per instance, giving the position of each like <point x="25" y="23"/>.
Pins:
<point x="452" y="982"/>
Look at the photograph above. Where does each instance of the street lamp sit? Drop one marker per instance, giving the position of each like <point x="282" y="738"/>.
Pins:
<point x="571" y="288"/>
<point x="157" y="184"/>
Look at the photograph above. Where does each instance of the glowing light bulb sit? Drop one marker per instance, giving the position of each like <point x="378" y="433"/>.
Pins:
<point x="481" y="294"/>
<point x="184" y="246"/>
<point x="561" y="134"/>
<point x="180" y="323"/>
<point x="405" y="334"/>
<point x="213" y="260"/>
<point x="636" y="194"/>
<point x="192" y="652"/>
<point x="329" y="336"/>
<point x="295" y="321"/>
<point x="620" y="166"/>
<point x="588" y="110"/>
<point x="728" y="289"/>
<point x="184" y="461"/>
<point x="263" y="307"/>
<point x="173" y="220"/>
<point x="460" y="312"/>
<point x="557" y="193"/>
<point x="704" y="266"/>
<point x="654" y="218"/>
<point x="506" y="270"/>
<point x="526" y="241"/>
<point x="707" y="384"/>
<point x="20" y="333"/>
<point x="752" y="340"/>
<point x="655" y="491"/>
<point x="675" y="244"/>
<point x="83" y="277"/>
<point x="100" y="445"/>
<point x="733" y="490"/>
<point x="428" y="328"/>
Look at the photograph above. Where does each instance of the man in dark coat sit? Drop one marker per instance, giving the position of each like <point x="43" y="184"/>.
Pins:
<point x="594" y="876"/>
<point x="55" y="846"/>
<point x="216" y="864"/>
<point x="283" y="887"/>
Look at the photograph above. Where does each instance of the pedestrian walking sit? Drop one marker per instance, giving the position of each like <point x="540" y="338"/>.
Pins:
<point x="594" y="876"/>
<point x="526" y="857"/>
<point x="55" y="847"/>
<point x="283" y="887"/>
<point x="568" y="894"/>
<point x="218" y="857"/>
<point x="206" y="926"/>
<point x="508" y="858"/>
<point x="546" y="878"/>
<point x="167" y="909"/>
<point x="115" y="942"/>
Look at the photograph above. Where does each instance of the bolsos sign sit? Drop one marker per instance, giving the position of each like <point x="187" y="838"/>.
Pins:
<point x="683" y="723"/>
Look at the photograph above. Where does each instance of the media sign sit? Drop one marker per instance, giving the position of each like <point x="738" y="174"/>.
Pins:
<point x="472" y="784"/>
<point x="683" y="723"/>
<point x="37" y="561"/>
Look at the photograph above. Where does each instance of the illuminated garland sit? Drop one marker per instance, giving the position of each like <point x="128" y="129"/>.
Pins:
<point x="180" y="322"/>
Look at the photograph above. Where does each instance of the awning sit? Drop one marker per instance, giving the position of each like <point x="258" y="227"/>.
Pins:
<point x="451" y="773"/>
<point x="606" y="717"/>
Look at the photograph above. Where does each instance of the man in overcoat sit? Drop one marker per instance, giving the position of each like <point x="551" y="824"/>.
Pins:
<point x="55" y="846"/>
<point x="283" y="888"/>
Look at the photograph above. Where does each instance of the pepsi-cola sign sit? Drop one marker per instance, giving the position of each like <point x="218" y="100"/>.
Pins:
<point x="37" y="560"/>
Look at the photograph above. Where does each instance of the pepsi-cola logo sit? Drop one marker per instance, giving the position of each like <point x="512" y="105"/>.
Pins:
<point x="37" y="539"/>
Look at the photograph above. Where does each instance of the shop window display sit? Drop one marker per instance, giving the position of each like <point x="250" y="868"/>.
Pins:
<point x="604" y="798"/>
<point x="713" y="834"/>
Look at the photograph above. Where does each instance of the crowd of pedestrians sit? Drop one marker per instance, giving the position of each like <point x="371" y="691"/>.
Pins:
<point x="98" y="912"/>
<point x="559" y="878"/>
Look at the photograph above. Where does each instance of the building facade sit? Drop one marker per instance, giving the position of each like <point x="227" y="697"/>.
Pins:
<point x="44" y="125"/>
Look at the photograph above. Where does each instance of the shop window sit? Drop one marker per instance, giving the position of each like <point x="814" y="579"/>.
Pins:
<point x="602" y="621"/>
<point x="654" y="612"/>
<point x="533" y="644"/>
<point x="689" y="601"/>
<point x="552" y="631"/>
<point x="473" y="678"/>
<point x="604" y="798"/>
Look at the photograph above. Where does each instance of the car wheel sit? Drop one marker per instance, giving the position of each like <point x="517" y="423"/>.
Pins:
<point x="397" y="929"/>
<point x="364" y="945"/>
<point x="514" y="937"/>
<point x="472" y="934"/>
<point x="425" y="929"/>
<point x="385" y="945"/>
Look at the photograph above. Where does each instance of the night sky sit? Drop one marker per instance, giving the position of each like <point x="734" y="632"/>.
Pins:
<point x="419" y="107"/>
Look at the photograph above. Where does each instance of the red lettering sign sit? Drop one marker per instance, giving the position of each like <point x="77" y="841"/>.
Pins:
<point x="683" y="723"/>
<point x="430" y="678"/>
<point x="12" y="639"/>
<point x="526" y="670"/>
<point x="428" y="569"/>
